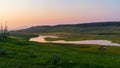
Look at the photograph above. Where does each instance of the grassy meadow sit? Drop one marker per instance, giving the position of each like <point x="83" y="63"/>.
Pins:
<point x="18" y="52"/>
<point x="114" y="38"/>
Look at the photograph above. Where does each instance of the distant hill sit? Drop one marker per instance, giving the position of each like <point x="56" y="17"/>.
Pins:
<point x="96" y="27"/>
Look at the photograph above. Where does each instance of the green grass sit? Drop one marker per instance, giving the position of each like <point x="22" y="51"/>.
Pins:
<point x="87" y="37"/>
<point x="18" y="52"/>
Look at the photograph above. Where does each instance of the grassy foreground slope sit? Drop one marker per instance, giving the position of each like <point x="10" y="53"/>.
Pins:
<point x="18" y="52"/>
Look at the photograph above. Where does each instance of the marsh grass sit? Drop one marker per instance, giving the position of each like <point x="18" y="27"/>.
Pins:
<point x="18" y="53"/>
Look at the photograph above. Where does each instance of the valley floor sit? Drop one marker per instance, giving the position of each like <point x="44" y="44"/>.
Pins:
<point x="16" y="52"/>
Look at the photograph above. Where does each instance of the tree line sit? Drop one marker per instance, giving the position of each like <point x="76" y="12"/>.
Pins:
<point x="4" y="33"/>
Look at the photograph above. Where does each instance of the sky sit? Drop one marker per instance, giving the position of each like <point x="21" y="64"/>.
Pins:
<point x="25" y="13"/>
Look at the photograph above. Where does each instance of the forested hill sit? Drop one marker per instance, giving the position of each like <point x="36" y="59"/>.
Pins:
<point x="96" y="27"/>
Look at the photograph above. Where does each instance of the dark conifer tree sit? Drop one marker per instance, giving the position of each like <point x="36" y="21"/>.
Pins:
<point x="4" y="33"/>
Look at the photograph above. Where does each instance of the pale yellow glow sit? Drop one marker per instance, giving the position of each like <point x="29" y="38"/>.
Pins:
<point x="20" y="13"/>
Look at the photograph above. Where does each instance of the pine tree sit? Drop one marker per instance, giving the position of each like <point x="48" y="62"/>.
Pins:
<point x="6" y="32"/>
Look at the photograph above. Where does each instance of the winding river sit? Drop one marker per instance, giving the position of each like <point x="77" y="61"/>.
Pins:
<point x="41" y="39"/>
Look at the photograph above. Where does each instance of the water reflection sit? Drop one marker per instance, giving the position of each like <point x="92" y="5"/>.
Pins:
<point x="99" y="42"/>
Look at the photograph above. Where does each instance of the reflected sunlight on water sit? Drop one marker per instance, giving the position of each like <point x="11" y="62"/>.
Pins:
<point x="99" y="42"/>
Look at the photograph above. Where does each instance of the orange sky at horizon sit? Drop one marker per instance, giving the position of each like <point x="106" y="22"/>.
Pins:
<point x="20" y="13"/>
<point x="47" y="18"/>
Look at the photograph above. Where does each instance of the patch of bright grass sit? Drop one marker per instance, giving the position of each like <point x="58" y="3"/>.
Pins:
<point x="18" y="53"/>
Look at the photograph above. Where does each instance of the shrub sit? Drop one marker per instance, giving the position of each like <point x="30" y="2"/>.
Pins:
<point x="3" y="52"/>
<point x="55" y="59"/>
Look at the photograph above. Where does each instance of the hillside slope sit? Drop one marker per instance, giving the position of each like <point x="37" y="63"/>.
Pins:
<point x="96" y="27"/>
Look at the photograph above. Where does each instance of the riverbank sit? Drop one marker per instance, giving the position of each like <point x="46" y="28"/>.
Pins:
<point x="16" y="52"/>
<point x="42" y="38"/>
